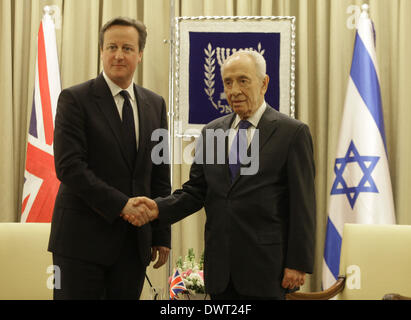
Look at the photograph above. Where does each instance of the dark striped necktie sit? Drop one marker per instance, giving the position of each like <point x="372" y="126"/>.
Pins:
<point x="129" y="129"/>
<point x="238" y="148"/>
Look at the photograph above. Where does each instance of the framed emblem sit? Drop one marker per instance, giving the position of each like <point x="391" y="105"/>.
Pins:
<point x="202" y="44"/>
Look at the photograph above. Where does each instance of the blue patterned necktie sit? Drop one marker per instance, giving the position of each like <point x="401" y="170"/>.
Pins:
<point x="129" y="129"/>
<point x="239" y="147"/>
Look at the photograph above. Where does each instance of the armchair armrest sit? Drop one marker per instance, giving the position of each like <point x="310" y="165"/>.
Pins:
<point x="395" y="296"/>
<point x="336" y="288"/>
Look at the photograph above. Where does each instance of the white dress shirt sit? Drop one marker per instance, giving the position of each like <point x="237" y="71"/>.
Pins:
<point x="119" y="100"/>
<point x="254" y="120"/>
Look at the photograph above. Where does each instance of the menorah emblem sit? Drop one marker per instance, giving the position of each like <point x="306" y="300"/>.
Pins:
<point x="209" y="68"/>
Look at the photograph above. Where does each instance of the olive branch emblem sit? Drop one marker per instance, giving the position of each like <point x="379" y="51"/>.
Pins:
<point x="209" y="80"/>
<point x="209" y="74"/>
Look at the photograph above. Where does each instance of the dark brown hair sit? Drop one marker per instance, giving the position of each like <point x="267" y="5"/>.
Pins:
<point x="124" y="21"/>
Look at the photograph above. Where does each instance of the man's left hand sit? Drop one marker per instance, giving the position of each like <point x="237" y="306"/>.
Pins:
<point x="162" y="253"/>
<point x="293" y="278"/>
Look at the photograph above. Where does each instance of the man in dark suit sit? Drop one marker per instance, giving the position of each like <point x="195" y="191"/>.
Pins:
<point x="102" y="150"/>
<point x="260" y="227"/>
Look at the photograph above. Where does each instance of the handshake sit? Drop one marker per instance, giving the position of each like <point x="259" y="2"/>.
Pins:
<point x="139" y="211"/>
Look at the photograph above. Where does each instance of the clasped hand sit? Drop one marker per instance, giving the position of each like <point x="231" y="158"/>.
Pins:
<point x="139" y="211"/>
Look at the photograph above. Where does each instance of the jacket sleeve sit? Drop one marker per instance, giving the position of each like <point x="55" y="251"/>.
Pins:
<point x="187" y="200"/>
<point x="302" y="208"/>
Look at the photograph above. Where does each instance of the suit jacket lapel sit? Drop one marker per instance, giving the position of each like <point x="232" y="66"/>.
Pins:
<point x="267" y="125"/>
<point x="105" y="102"/>
<point x="144" y="134"/>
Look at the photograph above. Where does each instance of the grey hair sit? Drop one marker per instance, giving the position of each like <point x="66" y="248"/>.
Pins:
<point x="260" y="63"/>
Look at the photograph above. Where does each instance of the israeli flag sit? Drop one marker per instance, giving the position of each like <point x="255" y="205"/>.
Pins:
<point x="361" y="190"/>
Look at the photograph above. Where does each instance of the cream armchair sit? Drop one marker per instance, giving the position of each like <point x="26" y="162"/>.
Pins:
<point x="375" y="261"/>
<point x="26" y="267"/>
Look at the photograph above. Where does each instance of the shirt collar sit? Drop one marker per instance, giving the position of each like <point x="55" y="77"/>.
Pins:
<point x="254" y="119"/>
<point x="115" y="89"/>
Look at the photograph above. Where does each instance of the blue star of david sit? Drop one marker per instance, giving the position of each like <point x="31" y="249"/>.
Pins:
<point x="366" y="184"/>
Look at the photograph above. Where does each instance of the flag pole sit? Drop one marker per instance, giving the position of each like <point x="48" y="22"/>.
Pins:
<point x="365" y="7"/>
<point x="47" y="10"/>
<point x="171" y="113"/>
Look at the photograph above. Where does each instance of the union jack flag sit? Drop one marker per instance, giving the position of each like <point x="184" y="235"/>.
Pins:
<point x="40" y="181"/>
<point x="176" y="285"/>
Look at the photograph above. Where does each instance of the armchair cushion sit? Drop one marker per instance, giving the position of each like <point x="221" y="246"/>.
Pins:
<point x="25" y="261"/>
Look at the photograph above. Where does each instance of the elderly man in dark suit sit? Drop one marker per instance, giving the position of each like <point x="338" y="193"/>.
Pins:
<point x="102" y="150"/>
<point x="260" y="227"/>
